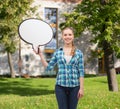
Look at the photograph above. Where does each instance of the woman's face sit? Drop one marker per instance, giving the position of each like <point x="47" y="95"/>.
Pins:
<point x="67" y="36"/>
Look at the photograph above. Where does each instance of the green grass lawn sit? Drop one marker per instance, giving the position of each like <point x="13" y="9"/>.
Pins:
<point x="38" y="93"/>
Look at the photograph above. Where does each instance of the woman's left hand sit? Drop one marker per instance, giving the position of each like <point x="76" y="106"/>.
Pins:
<point x="80" y="93"/>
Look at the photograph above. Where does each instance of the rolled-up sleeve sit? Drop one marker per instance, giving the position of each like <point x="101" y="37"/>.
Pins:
<point x="81" y="65"/>
<point x="52" y="62"/>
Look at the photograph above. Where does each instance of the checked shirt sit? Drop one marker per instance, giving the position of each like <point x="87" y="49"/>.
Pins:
<point x="68" y="74"/>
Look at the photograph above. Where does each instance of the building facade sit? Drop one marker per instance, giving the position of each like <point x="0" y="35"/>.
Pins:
<point x="51" y="11"/>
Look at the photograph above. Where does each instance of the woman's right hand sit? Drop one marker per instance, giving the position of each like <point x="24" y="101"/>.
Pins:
<point x="37" y="50"/>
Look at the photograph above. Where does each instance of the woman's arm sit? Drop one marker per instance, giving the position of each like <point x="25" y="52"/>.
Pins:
<point x="81" y="77"/>
<point x="82" y="83"/>
<point x="81" y="90"/>
<point x="43" y="60"/>
<point x="48" y="66"/>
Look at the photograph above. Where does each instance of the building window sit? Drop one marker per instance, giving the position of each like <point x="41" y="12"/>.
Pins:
<point x="50" y="15"/>
<point x="51" y="18"/>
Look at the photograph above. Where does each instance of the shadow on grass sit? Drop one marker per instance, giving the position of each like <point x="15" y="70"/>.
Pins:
<point x="90" y="75"/>
<point x="23" y="87"/>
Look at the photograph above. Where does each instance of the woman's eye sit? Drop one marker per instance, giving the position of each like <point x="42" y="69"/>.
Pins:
<point x="65" y="34"/>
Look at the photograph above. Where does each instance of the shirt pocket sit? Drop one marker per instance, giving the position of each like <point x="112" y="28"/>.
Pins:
<point x="61" y="60"/>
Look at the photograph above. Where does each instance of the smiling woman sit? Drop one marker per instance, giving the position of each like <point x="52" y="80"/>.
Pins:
<point x="69" y="86"/>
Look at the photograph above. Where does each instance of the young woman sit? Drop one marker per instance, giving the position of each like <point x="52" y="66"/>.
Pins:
<point x="70" y="77"/>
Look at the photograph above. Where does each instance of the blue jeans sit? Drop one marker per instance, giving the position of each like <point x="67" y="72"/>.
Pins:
<point x="67" y="97"/>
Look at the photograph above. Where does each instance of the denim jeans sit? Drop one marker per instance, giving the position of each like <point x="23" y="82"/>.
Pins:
<point x="67" y="97"/>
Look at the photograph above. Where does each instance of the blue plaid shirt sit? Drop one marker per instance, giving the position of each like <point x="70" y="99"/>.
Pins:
<point x="68" y="74"/>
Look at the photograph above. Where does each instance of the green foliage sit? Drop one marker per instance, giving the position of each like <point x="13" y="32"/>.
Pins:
<point x="102" y="20"/>
<point x="73" y="20"/>
<point x="11" y="14"/>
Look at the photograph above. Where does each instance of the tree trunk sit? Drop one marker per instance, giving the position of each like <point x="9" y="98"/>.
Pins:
<point x="10" y="65"/>
<point x="109" y="65"/>
<point x="20" y="60"/>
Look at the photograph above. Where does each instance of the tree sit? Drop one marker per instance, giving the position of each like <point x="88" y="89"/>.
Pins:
<point x="104" y="23"/>
<point x="11" y="14"/>
<point x="108" y="51"/>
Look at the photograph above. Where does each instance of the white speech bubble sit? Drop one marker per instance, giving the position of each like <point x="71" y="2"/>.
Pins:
<point x="35" y="32"/>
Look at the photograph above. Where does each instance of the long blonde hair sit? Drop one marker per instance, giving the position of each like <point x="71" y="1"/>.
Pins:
<point x="73" y="45"/>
